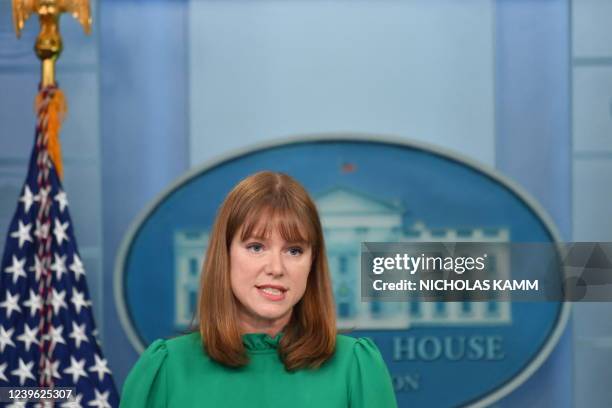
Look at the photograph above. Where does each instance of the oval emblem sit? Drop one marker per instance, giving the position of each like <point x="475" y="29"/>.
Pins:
<point x="475" y="354"/>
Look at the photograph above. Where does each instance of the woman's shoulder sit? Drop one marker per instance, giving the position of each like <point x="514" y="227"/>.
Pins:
<point x="349" y="344"/>
<point x="173" y="352"/>
<point x="175" y="348"/>
<point x="350" y="349"/>
<point x="161" y="349"/>
<point x="183" y="342"/>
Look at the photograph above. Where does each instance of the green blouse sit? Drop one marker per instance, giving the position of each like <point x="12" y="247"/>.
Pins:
<point x="178" y="373"/>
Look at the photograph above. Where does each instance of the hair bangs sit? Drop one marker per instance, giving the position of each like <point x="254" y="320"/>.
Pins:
<point x="287" y="222"/>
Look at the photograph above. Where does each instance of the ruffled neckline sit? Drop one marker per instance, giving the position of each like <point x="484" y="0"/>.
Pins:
<point x="261" y="341"/>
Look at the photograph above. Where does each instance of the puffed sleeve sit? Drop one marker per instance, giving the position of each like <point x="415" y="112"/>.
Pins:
<point x="369" y="378"/>
<point x="145" y="386"/>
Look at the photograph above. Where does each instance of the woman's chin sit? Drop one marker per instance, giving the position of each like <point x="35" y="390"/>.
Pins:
<point x="271" y="313"/>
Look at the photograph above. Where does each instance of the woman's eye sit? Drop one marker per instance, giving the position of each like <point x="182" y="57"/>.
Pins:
<point x="255" y="248"/>
<point x="296" y="251"/>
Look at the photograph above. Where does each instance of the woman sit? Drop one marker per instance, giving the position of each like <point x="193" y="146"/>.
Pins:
<point x="267" y="331"/>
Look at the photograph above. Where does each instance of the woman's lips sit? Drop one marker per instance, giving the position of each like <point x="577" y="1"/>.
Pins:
<point x="274" y="293"/>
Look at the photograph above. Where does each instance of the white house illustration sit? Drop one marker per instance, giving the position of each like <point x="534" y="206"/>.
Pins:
<point x="350" y="217"/>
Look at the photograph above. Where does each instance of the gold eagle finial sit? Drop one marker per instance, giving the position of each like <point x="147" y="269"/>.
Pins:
<point x="49" y="42"/>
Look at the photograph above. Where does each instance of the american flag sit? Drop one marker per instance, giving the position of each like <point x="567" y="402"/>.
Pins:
<point x="48" y="336"/>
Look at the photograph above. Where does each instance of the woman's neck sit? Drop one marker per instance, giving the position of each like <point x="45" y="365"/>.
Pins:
<point x="251" y="324"/>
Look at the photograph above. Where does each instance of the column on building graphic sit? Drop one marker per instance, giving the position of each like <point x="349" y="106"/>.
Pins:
<point x="189" y="249"/>
<point x="342" y="262"/>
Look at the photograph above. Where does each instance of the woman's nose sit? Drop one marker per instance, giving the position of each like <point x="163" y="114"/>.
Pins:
<point x="276" y="265"/>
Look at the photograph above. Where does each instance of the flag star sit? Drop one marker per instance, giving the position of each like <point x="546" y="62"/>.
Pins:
<point x="42" y="195"/>
<point x="55" y="335"/>
<point x="73" y="402"/>
<point x="11" y="303"/>
<point x="60" y="231"/>
<point x="44" y="404"/>
<point x="99" y="367"/>
<point x="101" y="400"/>
<point x="62" y="199"/>
<point x="17" y="404"/>
<point x="42" y="230"/>
<point x="59" y="265"/>
<point x="27" y="198"/>
<point x="78" y="334"/>
<point x="6" y="338"/>
<point x="24" y="371"/>
<point x="76" y="369"/>
<point x="28" y="336"/>
<point x="57" y="300"/>
<point x="17" y="268"/>
<point x="77" y="267"/>
<point x="78" y="299"/>
<point x="51" y="369"/>
<point x="34" y="302"/>
<point x="2" y="375"/>
<point x="22" y="233"/>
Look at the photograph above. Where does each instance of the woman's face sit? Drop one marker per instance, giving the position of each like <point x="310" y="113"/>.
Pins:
<point x="268" y="277"/>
